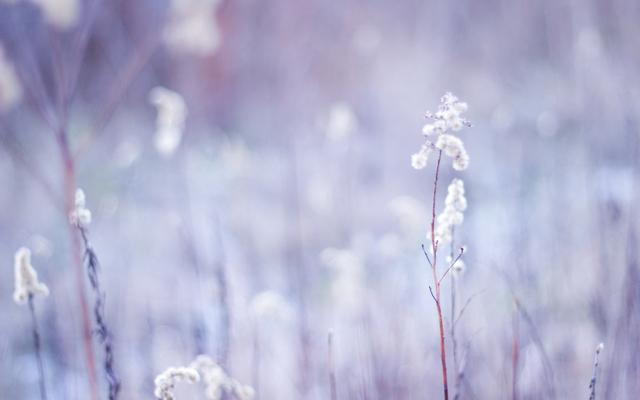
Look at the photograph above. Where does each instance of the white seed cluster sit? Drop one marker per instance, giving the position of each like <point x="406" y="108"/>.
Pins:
<point x="166" y="381"/>
<point x="170" y="120"/>
<point x="447" y="119"/>
<point x="453" y="213"/>
<point x="81" y="215"/>
<point x="27" y="283"/>
<point x="192" y="27"/>
<point x="218" y="382"/>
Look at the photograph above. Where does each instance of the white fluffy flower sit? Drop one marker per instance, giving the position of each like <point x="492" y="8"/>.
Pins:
<point x="27" y="283"/>
<point x="192" y="27"/>
<point x="455" y="205"/>
<point x="453" y="147"/>
<point x="218" y="382"/>
<point x="80" y="216"/>
<point x="10" y="87"/>
<point x="166" y="381"/>
<point x="447" y="119"/>
<point x="170" y="121"/>
<point x="419" y="159"/>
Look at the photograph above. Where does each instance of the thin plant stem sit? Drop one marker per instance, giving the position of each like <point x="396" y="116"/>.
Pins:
<point x="37" y="346"/>
<point x="102" y="331"/>
<point x="515" y="352"/>
<point x="454" y="342"/>
<point x="69" y="196"/>
<point x="436" y="282"/>
<point x="592" y="383"/>
<point x="332" y="371"/>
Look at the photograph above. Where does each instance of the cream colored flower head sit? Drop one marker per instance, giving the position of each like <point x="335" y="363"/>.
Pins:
<point x="439" y="134"/>
<point x="27" y="283"/>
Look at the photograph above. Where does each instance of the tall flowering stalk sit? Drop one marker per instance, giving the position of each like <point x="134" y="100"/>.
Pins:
<point x="80" y="217"/>
<point x="27" y="286"/>
<point x="440" y="138"/>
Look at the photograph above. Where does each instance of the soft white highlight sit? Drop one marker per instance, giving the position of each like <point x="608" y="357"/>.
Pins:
<point x="192" y="27"/>
<point x="342" y="121"/>
<point x="10" y="87"/>
<point x="170" y="120"/>
<point x="80" y="216"/>
<point x="439" y="135"/>
<point x="166" y="381"/>
<point x="218" y="382"/>
<point x="61" y="14"/>
<point x="26" y="277"/>
<point x="270" y="305"/>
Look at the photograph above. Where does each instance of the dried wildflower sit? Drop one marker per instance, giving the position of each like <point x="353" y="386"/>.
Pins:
<point x="166" y="381"/>
<point x="218" y="382"/>
<point x="447" y="119"/>
<point x="27" y="283"/>
<point x="192" y="27"/>
<point x="80" y="216"/>
<point x="10" y="87"/>
<point x="170" y="121"/>
<point x="455" y="204"/>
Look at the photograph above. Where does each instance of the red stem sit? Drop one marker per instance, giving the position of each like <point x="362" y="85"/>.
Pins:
<point x="436" y="281"/>
<point x="69" y="195"/>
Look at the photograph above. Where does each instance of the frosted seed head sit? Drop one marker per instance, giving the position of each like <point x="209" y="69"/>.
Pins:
<point x="26" y="278"/>
<point x="80" y="216"/>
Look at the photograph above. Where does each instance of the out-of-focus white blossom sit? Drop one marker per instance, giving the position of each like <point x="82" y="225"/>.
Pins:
<point x="458" y="268"/>
<point x="447" y="119"/>
<point x="61" y="14"/>
<point x="192" y="27"/>
<point x="80" y="216"/>
<point x="409" y="213"/>
<point x="342" y="121"/>
<point x="218" y="382"/>
<point x="270" y="305"/>
<point x="26" y="277"/>
<point x="10" y="87"/>
<point x="166" y="381"/>
<point x="170" y="121"/>
<point x="348" y="284"/>
<point x="455" y="204"/>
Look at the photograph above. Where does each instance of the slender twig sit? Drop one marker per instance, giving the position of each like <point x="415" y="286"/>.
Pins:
<point x="466" y="304"/>
<point x="125" y="78"/>
<point x="515" y="352"/>
<point x="332" y="371"/>
<point x="36" y="344"/>
<point x="451" y="265"/>
<point x="102" y="331"/>
<point x="592" y="383"/>
<point x="424" y="250"/>
<point x="436" y="281"/>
